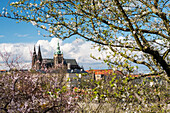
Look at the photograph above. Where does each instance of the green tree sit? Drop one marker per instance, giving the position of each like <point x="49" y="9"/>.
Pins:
<point x="144" y="26"/>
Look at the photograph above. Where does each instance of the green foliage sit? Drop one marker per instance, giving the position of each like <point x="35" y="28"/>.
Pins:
<point x="130" y="94"/>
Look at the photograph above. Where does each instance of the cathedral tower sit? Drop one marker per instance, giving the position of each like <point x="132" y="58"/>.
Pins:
<point x="34" y="58"/>
<point x="58" y="58"/>
<point x="39" y="59"/>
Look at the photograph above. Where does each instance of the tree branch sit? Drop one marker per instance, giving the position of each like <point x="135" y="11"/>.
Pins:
<point x="166" y="53"/>
<point x="133" y="60"/>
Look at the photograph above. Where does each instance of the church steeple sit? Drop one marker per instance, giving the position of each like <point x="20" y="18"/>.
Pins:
<point x="34" y="58"/>
<point x="34" y="53"/>
<point x="58" y="58"/>
<point x="39" y="55"/>
<point x="58" y="51"/>
<point x="39" y="59"/>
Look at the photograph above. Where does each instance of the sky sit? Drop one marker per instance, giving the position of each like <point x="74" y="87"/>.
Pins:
<point x="11" y="32"/>
<point x="18" y="39"/>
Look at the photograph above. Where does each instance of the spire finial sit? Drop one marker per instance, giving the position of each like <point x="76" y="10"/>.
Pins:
<point x="58" y="49"/>
<point x="39" y="54"/>
<point x="58" y="43"/>
<point x="34" y="50"/>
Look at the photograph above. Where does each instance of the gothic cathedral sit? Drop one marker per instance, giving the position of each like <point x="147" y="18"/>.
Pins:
<point x="58" y="62"/>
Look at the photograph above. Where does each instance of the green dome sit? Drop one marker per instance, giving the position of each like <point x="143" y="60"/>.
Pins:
<point x="58" y="51"/>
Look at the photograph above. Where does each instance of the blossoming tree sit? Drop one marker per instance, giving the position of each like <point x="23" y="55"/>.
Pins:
<point x="129" y="31"/>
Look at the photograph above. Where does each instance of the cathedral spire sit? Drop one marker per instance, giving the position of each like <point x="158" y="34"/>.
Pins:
<point x="58" y="58"/>
<point x="34" y="53"/>
<point x="34" y="58"/>
<point x="58" y="51"/>
<point x="39" y="57"/>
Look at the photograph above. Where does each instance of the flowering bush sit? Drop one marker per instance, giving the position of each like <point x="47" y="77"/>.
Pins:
<point x="34" y="92"/>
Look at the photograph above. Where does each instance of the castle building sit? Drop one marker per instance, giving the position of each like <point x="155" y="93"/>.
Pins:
<point x="58" y="65"/>
<point x="58" y="61"/>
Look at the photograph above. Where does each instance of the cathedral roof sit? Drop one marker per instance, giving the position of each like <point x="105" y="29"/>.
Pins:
<point x="48" y="60"/>
<point x="71" y="61"/>
<point x="66" y="61"/>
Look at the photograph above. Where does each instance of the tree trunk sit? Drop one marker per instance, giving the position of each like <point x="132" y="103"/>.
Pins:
<point x="159" y="59"/>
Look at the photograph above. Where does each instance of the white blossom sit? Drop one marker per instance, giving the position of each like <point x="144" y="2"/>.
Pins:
<point x="6" y="13"/>
<point x="151" y="84"/>
<point x="47" y="16"/>
<point x="59" y="13"/>
<point x="51" y="35"/>
<point x="99" y="4"/>
<point x="55" y="29"/>
<point x="35" y="5"/>
<point x="38" y="18"/>
<point x="31" y="4"/>
<point x="3" y="12"/>
<point x="33" y="23"/>
<point x="38" y="32"/>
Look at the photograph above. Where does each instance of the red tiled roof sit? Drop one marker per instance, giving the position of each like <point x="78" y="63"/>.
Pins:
<point x="101" y="71"/>
<point x="3" y="70"/>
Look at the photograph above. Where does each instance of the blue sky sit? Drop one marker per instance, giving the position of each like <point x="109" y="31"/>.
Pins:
<point x="12" y="32"/>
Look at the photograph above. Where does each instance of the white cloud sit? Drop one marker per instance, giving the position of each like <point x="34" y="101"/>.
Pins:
<point x="78" y="49"/>
<point x="21" y="35"/>
<point x="2" y="36"/>
<point x="17" y="50"/>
